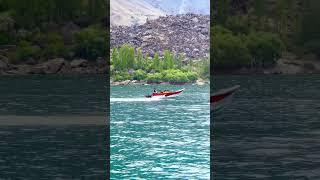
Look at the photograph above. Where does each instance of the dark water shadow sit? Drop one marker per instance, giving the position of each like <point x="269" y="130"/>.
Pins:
<point x="270" y="131"/>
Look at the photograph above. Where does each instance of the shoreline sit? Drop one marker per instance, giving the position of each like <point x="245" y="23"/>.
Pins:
<point x="135" y="82"/>
<point x="289" y="64"/>
<point x="265" y="72"/>
<point x="55" y="66"/>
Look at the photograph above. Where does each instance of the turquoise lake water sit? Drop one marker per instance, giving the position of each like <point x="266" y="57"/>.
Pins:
<point x="51" y="147"/>
<point x="36" y="95"/>
<point x="160" y="139"/>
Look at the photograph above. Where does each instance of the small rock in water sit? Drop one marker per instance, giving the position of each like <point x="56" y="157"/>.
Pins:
<point x="200" y="82"/>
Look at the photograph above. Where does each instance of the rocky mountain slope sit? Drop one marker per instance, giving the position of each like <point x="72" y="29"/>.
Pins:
<point x="124" y="12"/>
<point x="184" y="34"/>
<point x="127" y="13"/>
<point x="182" y="6"/>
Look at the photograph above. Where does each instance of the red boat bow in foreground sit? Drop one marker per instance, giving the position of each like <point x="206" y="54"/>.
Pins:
<point x="221" y="97"/>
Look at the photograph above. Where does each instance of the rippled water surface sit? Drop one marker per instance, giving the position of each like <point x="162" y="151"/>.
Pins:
<point x="51" y="127"/>
<point x="49" y="152"/>
<point x="160" y="138"/>
<point x="52" y="95"/>
<point x="270" y="131"/>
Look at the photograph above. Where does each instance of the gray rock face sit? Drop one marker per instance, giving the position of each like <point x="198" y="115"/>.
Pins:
<point x="3" y="65"/>
<point x="53" y="66"/>
<point x="187" y="34"/>
<point x="79" y="63"/>
<point x="31" y="61"/>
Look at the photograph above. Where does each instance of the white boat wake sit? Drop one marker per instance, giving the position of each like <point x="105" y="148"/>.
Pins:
<point x="139" y="99"/>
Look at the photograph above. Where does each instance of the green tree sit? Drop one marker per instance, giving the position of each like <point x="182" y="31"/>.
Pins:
<point x="309" y="36"/>
<point x="157" y="63"/>
<point x="265" y="49"/>
<point x="229" y="51"/>
<point x="222" y="10"/>
<point x="139" y="60"/>
<point x="168" y="60"/>
<point x="90" y="43"/>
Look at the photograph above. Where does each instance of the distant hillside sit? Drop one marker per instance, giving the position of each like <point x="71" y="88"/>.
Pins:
<point x="124" y="12"/>
<point x="186" y="34"/>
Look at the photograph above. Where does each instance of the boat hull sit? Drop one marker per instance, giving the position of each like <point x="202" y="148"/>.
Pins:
<point x="222" y="97"/>
<point x="165" y="94"/>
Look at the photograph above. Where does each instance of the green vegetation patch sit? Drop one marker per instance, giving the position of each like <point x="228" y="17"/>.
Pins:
<point x="42" y="30"/>
<point x="128" y="63"/>
<point x="255" y="33"/>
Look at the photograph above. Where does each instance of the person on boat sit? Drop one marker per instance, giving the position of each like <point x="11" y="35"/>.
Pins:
<point x="154" y="90"/>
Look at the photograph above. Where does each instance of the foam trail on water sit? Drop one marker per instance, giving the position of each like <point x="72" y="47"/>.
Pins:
<point x="135" y="99"/>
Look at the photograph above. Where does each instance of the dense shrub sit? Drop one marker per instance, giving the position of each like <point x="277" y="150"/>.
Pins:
<point x="238" y="24"/>
<point x="255" y="49"/>
<point x="24" y="51"/>
<point x="6" y="22"/>
<point x="34" y="28"/>
<point x="205" y="69"/>
<point x="309" y="31"/>
<point x="229" y="51"/>
<point x="154" y="78"/>
<point x="29" y="14"/>
<point x="125" y="57"/>
<point x="4" y="38"/>
<point x="139" y="75"/>
<point x="178" y="76"/>
<point x="192" y="76"/>
<point x="295" y="22"/>
<point x="39" y="38"/>
<point x="91" y="43"/>
<point x="54" y="46"/>
<point x="55" y="50"/>
<point x="265" y="48"/>
<point x="313" y="46"/>
<point x="121" y="76"/>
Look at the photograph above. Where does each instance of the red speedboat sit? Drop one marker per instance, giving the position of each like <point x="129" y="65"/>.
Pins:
<point x="165" y="93"/>
<point x="223" y="96"/>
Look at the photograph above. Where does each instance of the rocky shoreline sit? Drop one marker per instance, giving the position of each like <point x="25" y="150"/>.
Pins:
<point x="55" y="66"/>
<point x="289" y="64"/>
<point x="199" y="82"/>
